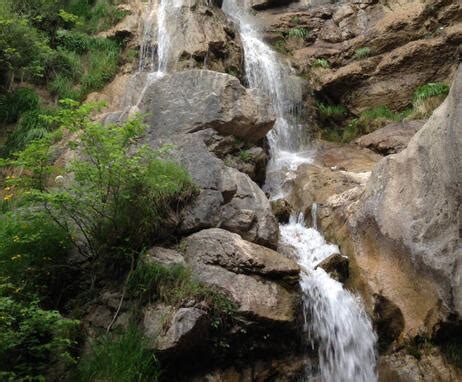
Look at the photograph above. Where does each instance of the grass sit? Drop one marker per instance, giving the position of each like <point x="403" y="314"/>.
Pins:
<point x="329" y="112"/>
<point x="320" y="63"/>
<point x="362" y="53"/>
<point x="123" y="358"/>
<point x="280" y="46"/>
<point x="432" y="89"/>
<point x="297" y="32"/>
<point x="245" y="156"/>
<point x="175" y="285"/>
<point x="17" y="102"/>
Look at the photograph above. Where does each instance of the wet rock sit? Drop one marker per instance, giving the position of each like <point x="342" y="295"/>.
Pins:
<point x="390" y="139"/>
<point x="163" y="256"/>
<point x="388" y="320"/>
<point x="174" y="331"/>
<point x="281" y="209"/>
<point x="264" y="4"/>
<point x="195" y="100"/>
<point x="256" y="278"/>
<point x="336" y="266"/>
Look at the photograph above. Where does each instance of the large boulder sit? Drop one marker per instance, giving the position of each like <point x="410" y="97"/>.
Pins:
<point x="194" y="100"/>
<point x="227" y="197"/>
<point x="403" y="234"/>
<point x="390" y="139"/>
<point x="259" y="280"/>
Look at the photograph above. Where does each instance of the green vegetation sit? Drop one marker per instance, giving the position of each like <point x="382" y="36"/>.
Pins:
<point x="123" y="358"/>
<point x="17" y="102"/>
<point x="31" y="338"/>
<point x="245" y="156"/>
<point x="301" y="33"/>
<point x="280" y="46"/>
<point x="320" y="63"/>
<point x="432" y="89"/>
<point x="174" y="286"/>
<point x="362" y="53"/>
<point x="109" y="204"/>
<point x="334" y="113"/>
<point x="295" y="20"/>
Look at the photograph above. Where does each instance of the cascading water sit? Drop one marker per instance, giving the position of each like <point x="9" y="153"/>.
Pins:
<point x="335" y="320"/>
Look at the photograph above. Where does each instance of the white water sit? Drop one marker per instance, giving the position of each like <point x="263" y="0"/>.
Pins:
<point x="335" y="320"/>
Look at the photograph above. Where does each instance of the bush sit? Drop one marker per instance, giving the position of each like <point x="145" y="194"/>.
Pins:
<point x="434" y="89"/>
<point x="17" y="102"/>
<point x="120" y="198"/>
<point x="32" y="250"/>
<point x="31" y="338"/>
<point x="362" y="53"/>
<point x="123" y="359"/>
<point x="31" y="126"/>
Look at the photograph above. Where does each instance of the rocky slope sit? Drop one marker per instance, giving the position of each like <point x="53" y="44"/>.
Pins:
<point x="397" y="218"/>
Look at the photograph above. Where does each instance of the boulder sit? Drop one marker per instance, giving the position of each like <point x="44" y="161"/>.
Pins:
<point x="390" y="139"/>
<point x="172" y="331"/>
<point x="336" y="266"/>
<point x="227" y="197"/>
<point x="163" y="256"/>
<point x="259" y="280"/>
<point x="195" y="100"/>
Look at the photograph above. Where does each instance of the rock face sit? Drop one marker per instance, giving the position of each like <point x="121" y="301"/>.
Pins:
<point x="429" y="211"/>
<point x="390" y="139"/>
<point x="194" y="100"/>
<point x="256" y="278"/>
<point x="404" y="233"/>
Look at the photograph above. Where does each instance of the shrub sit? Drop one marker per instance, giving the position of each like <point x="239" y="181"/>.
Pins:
<point x="32" y="251"/>
<point x="31" y="126"/>
<point x="119" y="197"/>
<point x="245" y="156"/>
<point x="362" y="53"/>
<point x="123" y="358"/>
<point x="280" y="46"/>
<point x="31" y="338"/>
<point x="17" y="102"/>
<point x="63" y="87"/>
<point x="321" y="63"/>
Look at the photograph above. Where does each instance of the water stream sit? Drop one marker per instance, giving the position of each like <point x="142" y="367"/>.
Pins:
<point x="335" y="321"/>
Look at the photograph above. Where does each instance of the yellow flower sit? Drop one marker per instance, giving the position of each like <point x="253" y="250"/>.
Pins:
<point x="16" y="238"/>
<point x="7" y="197"/>
<point x="17" y="257"/>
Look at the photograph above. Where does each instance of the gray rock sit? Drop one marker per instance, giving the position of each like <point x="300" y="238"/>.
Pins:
<point x="336" y="266"/>
<point x="390" y="139"/>
<point x="251" y="275"/>
<point x="227" y="197"/>
<point x="193" y="100"/>
<point x="174" y="331"/>
<point x="415" y="197"/>
<point x="163" y="256"/>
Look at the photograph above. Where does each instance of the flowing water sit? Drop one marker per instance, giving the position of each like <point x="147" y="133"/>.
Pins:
<point x="335" y="321"/>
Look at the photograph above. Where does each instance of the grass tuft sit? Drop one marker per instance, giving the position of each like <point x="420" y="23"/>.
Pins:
<point x="362" y="53"/>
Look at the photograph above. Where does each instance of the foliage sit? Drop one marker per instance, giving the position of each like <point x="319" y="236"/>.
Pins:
<point x="295" y="20"/>
<point x="119" y="197"/>
<point x="31" y="338"/>
<point x="331" y="112"/>
<point x="31" y="250"/>
<point x="432" y="89"/>
<point x="175" y="285"/>
<point x="297" y="32"/>
<point x="17" y="102"/>
<point x="321" y="63"/>
<point x="280" y="46"/>
<point x="245" y="156"/>
<point x="362" y="53"/>
<point x="123" y="358"/>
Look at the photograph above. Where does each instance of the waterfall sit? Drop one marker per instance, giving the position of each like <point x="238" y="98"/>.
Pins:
<point x="335" y="320"/>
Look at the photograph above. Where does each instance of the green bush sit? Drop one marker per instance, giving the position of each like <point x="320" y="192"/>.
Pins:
<point x="73" y="41"/>
<point x="120" y="197"/>
<point x="63" y="87"/>
<point x="245" y="156"/>
<point x="17" y="102"/>
<point x="31" y="338"/>
<point x="362" y="53"/>
<point x="123" y="358"/>
<point x="31" y="126"/>
<point x="433" y="89"/>
<point x="32" y="250"/>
